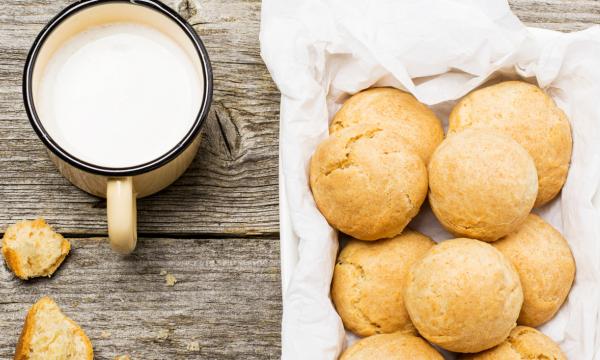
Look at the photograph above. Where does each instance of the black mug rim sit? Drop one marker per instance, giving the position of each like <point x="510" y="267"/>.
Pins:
<point x="104" y="170"/>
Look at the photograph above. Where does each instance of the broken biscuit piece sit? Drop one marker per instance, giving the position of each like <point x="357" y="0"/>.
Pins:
<point x="50" y="334"/>
<point x="33" y="249"/>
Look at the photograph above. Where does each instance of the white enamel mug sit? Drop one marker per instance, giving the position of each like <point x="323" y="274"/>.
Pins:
<point x="120" y="185"/>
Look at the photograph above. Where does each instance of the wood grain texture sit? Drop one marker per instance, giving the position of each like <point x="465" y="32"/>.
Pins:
<point x="562" y="15"/>
<point x="231" y="188"/>
<point x="226" y="298"/>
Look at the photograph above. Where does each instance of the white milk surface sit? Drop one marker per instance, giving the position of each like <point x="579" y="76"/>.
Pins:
<point x="119" y="95"/>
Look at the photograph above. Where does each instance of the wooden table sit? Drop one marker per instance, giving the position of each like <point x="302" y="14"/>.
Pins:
<point x="215" y="229"/>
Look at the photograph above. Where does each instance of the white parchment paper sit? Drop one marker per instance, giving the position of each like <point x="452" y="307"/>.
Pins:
<point x="320" y="51"/>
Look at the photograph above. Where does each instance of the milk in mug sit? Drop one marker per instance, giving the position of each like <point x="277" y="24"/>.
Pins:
<point x="119" y="95"/>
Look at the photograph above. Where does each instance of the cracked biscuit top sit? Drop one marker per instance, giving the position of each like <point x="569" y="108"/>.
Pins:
<point x="482" y="184"/>
<point x="523" y="343"/>
<point x="367" y="182"/>
<point x="368" y="282"/>
<point x="384" y="106"/>
<point x="463" y="295"/>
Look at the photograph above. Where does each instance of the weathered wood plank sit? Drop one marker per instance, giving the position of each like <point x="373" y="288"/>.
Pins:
<point x="562" y="15"/>
<point x="226" y="298"/>
<point x="231" y="187"/>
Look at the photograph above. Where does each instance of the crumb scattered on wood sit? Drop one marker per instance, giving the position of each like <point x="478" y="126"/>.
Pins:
<point x="163" y="334"/>
<point x="193" y="346"/>
<point x="163" y="273"/>
<point x="105" y="334"/>
<point x="122" y="357"/>
<point x="170" y="280"/>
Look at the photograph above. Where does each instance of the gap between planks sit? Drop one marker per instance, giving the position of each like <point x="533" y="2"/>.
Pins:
<point x="178" y="236"/>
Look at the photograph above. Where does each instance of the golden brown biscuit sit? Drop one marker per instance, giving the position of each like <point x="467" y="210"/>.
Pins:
<point x="529" y="116"/>
<point x="49" y="334"/>
<point x="545" y="265"/>
<point x="463" y="295"/>
<point x="367" y="182"/>
<point x="368" y="282"/>
<point x="32" y="249"/>
<point x="482" y="184"/>
<point x="523" y="343"/>
<point x="396" y="346"/>
<point x="384" y="106"/>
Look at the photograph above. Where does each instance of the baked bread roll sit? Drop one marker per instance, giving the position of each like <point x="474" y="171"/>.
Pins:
<point x="545" y="265"/>
<point x="418" y="125"/>
<point x="32" y="249"/>
<point x="482" y="184"/>
<point x="523" y="343"/>
<point x="528" y="115"/>
<point x="369" y="279"/>
<point x="367" y="182"/>
<point x="396" y="346"/>
<point x="464" y="296"/>
<point x="49" y="334"/>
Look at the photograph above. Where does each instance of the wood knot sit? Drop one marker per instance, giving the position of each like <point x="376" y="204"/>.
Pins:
<point x="187" y="9"/>
<point x="223" y="132"/>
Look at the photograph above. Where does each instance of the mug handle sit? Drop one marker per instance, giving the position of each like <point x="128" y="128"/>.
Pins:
<point x="122" y="214"/>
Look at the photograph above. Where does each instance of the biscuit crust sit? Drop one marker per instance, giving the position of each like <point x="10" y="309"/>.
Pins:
<point x="386" y="106"/>
<point x="482" y="184"/>
<point x="464" y="296"/>
<point x="532" y="118"/>
<point x="396" y="346"/>
<point x="545" y="265"/>
<point x="369" y="279"/>
<point x="523" y="343"/>
<point x="367" y="182"/>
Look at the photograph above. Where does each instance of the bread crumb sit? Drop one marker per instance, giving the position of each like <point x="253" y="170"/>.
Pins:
<point x="163" y="334"/>
<point x="122" y="357"/>
<point x="105" y="334"/>
<point x="193" y="346"/>
<point x="163" y="273"/>
<point x="170" y="280"/>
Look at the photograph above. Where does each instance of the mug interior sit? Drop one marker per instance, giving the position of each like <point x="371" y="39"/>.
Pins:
<point x="92" y="13"/>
